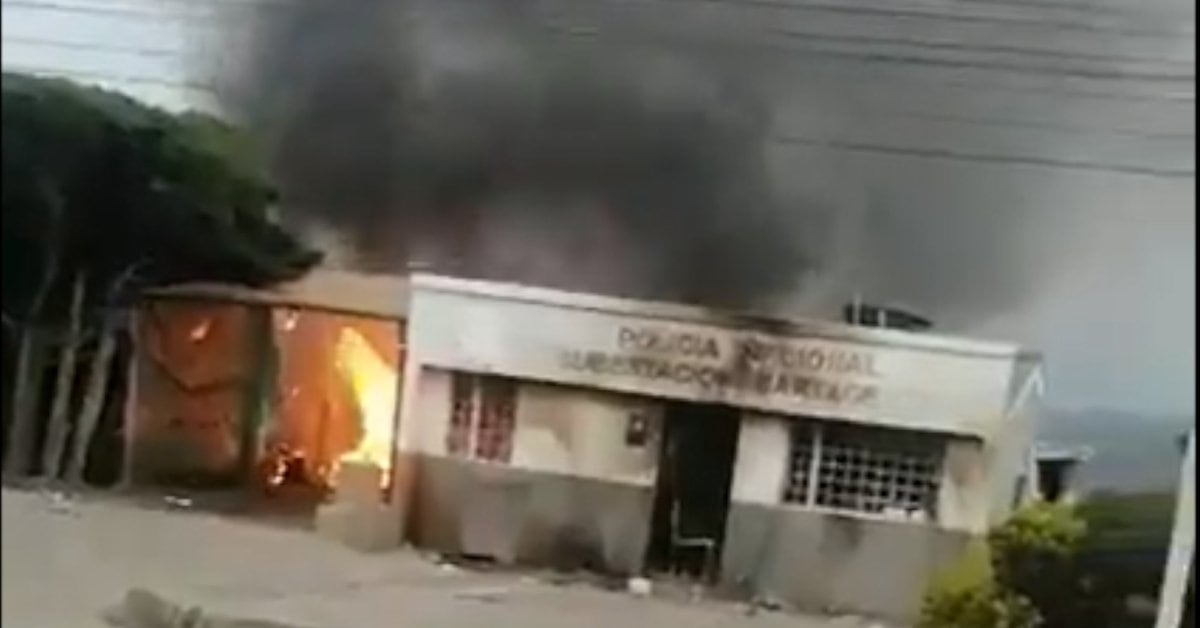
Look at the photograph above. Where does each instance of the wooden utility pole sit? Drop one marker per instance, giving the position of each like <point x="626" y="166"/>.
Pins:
<point x="1183" y="544"/>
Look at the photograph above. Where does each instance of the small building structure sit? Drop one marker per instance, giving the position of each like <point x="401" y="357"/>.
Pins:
<point x="1057" y="472"/>
<point x="830" y="465"/>
<point x="265" y="388"/>
<point x="833" y="466"/>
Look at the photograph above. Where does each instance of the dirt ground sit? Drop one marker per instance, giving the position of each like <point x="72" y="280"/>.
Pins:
<point x="65" y="561"/>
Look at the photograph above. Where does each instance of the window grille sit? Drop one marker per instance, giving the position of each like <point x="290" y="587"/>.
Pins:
<point x="462" y="411"/>
<point x="866" y="470"/>
<point x="482" y="417"/>
<point x="497" y="418"/>
<point x="801" y="471"/>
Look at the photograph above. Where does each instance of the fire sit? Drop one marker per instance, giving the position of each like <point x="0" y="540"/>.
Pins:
<point x="374" y="384"/>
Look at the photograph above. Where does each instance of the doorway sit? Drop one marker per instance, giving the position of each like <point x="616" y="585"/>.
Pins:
<point x="336" y="385"/>
<point x="691" y="498"/>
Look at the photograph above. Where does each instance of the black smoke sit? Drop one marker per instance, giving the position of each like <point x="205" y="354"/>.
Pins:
<point x="484" y="141"/>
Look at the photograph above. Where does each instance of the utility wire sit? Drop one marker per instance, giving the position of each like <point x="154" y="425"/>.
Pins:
<point x="868" y="58"/>
<point x="933" y="14"/>
<point x="951" y="118"/>
<point x="1016" y="160"/>
<point x="882" y="149"/>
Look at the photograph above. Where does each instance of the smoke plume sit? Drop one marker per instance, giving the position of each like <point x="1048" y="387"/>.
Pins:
<point x="486" y="143"/>
<point x="649" y="149"/>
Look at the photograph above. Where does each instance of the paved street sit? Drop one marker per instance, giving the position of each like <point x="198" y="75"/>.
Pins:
<point x="64" y="562"/>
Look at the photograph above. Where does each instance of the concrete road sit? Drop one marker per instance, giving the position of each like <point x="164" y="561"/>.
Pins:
<point x="64" y="562"/>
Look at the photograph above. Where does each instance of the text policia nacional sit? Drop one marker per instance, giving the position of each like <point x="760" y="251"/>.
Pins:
<point x="739" y="365"/>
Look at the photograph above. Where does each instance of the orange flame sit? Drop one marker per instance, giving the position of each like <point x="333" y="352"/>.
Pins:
<point x="374" y="383"/>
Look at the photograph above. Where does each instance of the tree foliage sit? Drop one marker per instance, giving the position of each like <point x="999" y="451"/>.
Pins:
<point x="103" y="195"/>
<point x="113" y="183"/>
<point x="1034" y="556"/>
<point x="1024" y="577"/>
<point x="1074" y="567"/>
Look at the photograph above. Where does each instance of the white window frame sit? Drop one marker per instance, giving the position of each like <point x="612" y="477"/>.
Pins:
<point x="817" y="430"/>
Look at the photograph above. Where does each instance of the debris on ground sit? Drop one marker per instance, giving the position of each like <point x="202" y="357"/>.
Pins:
<point x="178" y="502"/>
<point x="764" y="603"/>
<point x="855" y="621"/>
<point x="640" y="587"/>
<point x="230" y="565"/>
<point x="144" y="609"/>
<point x="60" y="503"/>
<point x="559" y="579"/>
<point x="484" y="594"/>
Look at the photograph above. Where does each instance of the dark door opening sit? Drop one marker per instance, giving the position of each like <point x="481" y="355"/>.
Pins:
<point x="691" y="500"/>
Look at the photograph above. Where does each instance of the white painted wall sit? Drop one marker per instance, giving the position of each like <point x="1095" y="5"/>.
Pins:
<point x="423" y="431"/>
<point x="558" y="430"/>
<point x="1008" y="451"/>
<point x="964" y="502"/>
<point x="920" y="381"/>
<point x="761" y="467"/>
<point x="580" y="432"/>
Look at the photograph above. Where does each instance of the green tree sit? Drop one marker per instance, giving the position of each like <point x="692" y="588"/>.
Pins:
<point x="102" y="197"/>
<point x="1034" y="556"/>
<point x="1025" y="576"/>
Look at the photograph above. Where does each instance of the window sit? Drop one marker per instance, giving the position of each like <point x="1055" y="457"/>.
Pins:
<point x="482" y="417"/>
<point x="497" y="418"/>
<point x="462" y="413"/>
<point x="867" y="470"/>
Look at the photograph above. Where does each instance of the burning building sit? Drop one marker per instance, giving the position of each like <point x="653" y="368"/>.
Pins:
<point x="537" y="426"/>
<point x="275" y="389"/>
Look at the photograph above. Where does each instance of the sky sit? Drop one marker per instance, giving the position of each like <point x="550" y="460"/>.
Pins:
<point x="1117" y="323"/>
<point x="1113" y="312"/>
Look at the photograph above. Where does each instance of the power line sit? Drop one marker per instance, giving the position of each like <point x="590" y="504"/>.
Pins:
<point x="1104" y="74"/>
<point x="1032" y="125"/>
<point x="93" y="47"/>
<point x="860" y="147"/>
<point x="1012" y="160"/>
<point x="58" y="7"/>
<point x="788" y="5"/>
<point x="874" y="58"/>
<point x="791" y="51"/>
<point x="1082" y="7"/>
<point x="982" y="120"/>
<point x="1014" y="68"/>
<point x="935" y="15"/>
<point x="1048" y="53"/>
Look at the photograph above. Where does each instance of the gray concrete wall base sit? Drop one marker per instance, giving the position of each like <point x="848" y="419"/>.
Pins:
<point x="826" y="563"/>
<point x="529" y="517"/>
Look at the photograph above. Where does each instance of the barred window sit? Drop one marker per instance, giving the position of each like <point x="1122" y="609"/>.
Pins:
<point x="497" y="418"/>
<point x="801" y="472"/>
<point x="864" y="469"/>
<point x="462" y="411"/>
<point x="482" y="417"/>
